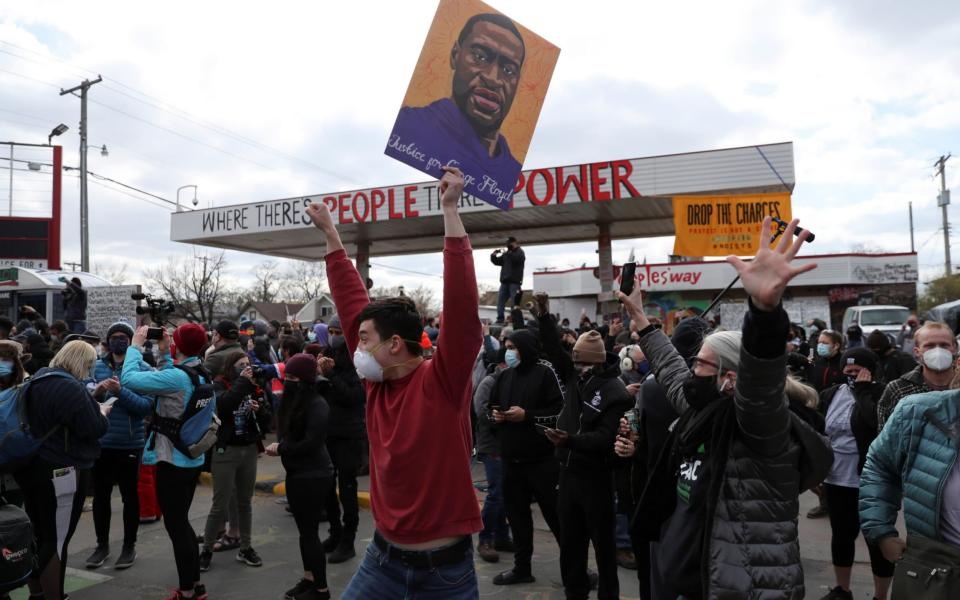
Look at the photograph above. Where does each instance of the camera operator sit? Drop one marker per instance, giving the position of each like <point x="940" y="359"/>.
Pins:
<point x="74" y="304"/>
<point x="234" y="462"/>
<point x="344" y="393"/>
<point x="121" y="449"/>
<point x="177" y="473"/>
<point x="226" y="336"/>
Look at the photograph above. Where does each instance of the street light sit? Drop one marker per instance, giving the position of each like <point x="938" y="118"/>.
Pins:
<point x="183" y="187"/>
<point x="103" y="150"/>
<point x="58" y="130"/>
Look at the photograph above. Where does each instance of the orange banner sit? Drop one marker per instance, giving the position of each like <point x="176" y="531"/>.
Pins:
<point x="723" y="225"/>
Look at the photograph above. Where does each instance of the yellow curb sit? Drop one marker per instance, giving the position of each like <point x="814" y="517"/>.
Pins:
<point x="363" y="498"/>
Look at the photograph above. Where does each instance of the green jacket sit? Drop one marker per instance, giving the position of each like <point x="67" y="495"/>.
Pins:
<point x="909" y="462"/>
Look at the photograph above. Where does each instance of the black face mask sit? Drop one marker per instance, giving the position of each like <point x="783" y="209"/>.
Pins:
<point x="337" y="341"/>
<point x="700" y="390"/>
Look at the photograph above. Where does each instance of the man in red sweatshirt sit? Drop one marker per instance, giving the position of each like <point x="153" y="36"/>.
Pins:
<point x="418" y="420"/>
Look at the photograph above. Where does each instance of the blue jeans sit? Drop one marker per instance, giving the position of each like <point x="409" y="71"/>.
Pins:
<point x="507" y="291"/>
<point x="385" y="579"/>
<point x="494" y="514"/>
<point x="78" y="326"/>
<point x="622" y="533"/>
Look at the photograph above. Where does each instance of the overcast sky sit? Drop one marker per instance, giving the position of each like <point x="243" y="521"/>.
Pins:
<point x="255" y="101"/>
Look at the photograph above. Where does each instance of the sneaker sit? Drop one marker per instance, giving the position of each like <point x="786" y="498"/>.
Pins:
<point x="205" y="557"/>
<point x="302" y="586"/>
<point x="593" y="578"/>
<point x="98" y="557"/>
<point x="199" y="592"/>
<point x="504" y="545"/>
<point x="330" y="544"/>
<point x="487" y="552"/>
<point x="250" y="556"/>
<point x="513" y="577"/>
<point x="342" y="553"/>
<point x="838" y="593"/>
<point x="626" y="559"/>
<point x="127" y="556"/>
<point x="818" y="512"/>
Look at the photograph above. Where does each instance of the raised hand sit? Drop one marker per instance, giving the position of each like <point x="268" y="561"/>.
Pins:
<point x="319" y="213"/>
<point x="451" y="187"/>
<point x="766" y="277"/>
<point x="633" y="304"/>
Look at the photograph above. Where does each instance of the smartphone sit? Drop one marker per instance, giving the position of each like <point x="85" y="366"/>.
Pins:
<point x="155" y="333"/>
<point x="539" y="426"/>
<point x="628" y="278"/>
<point x="109" y="401"/>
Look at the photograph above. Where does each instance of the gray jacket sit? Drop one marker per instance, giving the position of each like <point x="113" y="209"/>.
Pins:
<point x="753" y="544"/>
<point x="487" y="440"/>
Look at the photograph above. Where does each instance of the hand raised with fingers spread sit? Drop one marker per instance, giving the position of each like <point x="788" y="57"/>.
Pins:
<point x="766" y="277"/>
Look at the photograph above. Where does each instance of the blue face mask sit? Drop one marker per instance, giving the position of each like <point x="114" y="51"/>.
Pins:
<point x="512" y="358"/>
<point x="643" y="367"/>
<point x="823" y="350"/>
<point x="6" y="368"/>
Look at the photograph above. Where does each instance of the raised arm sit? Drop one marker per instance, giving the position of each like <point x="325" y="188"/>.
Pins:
<point x="348" y="289"/>
<point x="460" y="337"/>
<point x="550" y="337"/>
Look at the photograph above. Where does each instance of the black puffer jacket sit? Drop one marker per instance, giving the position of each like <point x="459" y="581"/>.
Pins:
<point x="511" y="265"/>
<point x="591" y="409"/>
<point x="751" y="547"/>
<point x="533" y="386"/>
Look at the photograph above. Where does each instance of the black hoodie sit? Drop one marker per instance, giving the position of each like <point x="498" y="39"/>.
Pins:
<point x="592" y="407"/>
<point x="533" y="386"/>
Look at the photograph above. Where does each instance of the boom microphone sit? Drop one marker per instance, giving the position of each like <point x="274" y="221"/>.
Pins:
<point x="796" y="231"/>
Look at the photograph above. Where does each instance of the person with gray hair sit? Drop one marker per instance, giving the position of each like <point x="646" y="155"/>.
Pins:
<point x="738" y="457"/>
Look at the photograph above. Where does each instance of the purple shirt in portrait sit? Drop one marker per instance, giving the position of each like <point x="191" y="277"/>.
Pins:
<point x="438" y="134"/>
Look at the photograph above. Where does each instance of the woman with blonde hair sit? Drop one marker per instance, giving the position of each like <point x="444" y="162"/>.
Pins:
<point x="59" y="408"/>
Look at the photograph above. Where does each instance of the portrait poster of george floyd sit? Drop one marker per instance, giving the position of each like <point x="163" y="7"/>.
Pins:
<point x="474" y="99"/>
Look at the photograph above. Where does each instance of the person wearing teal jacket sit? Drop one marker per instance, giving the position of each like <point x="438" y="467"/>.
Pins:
<point x="176" y="473"/>
<point x="914" y="460"/>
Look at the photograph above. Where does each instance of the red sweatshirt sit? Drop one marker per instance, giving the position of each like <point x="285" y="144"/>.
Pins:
<point x="421" y="488"/>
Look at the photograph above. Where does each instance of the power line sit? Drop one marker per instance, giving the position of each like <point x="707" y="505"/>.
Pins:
<point x="406" y="271"/>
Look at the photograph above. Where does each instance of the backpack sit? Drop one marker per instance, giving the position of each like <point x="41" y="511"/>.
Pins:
<point x="195" y="430"/>
<point x="17" y="548"/>
<point x="17" y="442"/>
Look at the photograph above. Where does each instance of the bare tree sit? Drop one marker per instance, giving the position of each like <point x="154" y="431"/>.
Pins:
<point x="304" y="281"/>
<point x="266" y="283"/>
<point x="867" y="248"/>
<point x="113" y="274"/>
<point x="193" y="282"/>
<point x="423" y="297"/>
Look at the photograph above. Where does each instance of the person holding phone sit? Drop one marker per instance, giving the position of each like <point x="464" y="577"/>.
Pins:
<point x="594" y="400"/>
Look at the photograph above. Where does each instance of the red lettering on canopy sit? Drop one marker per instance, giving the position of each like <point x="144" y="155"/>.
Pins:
<point x="408" y="201"/>
<point x="392" y="214"/>
<point x="578" y="184"/>
<point x="331" y="202"/>
<point x="520" y="183"/>
<point x="366" y="208"/>
<point x="377" y="199"/>
<point x="623" y="178"/>
<point x="598" y="195"/>
<point x="531" y="190"/>
<point x="344" y="207"/>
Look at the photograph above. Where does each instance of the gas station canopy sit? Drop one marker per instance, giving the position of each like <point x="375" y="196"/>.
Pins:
<point x="617" y="199"/>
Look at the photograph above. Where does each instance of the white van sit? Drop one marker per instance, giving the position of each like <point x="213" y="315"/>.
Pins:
<point x="887" y="318"/>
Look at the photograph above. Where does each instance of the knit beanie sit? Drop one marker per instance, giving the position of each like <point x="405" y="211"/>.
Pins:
<point x="860" y="356"/>
<point x="334" y="322"/>
<point x="302" y="366"/>
<point x="190" y="339"/>
<point x="120" y="327"/>
<point x="590" y="349"/>
<point x="878" y="341"/>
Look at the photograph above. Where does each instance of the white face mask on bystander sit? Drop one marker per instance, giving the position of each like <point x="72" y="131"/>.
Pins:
<point x="938" y="359"/>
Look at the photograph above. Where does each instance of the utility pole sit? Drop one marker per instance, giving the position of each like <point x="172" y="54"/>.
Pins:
<point x="912" y="250"/>
<point x="943" y="201"/>
<point x="72" y="265"/>
<point x="84" y="213"/>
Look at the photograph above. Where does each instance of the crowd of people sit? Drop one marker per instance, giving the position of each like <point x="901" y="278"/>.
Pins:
<point x="681" y="457"/>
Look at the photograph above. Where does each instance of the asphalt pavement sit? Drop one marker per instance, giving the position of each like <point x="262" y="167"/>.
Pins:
<point x="275" y="538"/>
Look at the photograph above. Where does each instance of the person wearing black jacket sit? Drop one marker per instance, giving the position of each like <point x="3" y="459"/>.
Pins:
<point x="526" y="395"/>
<point x="827" y="369"/>
<point x="39" y="351"/>
<point x="74" y="304"/>
<point x="234" y="462"/>
<point x="594" y="400"/>
<point x="303" y="421"/>
<point x="511" y="274"/>
<point x="851" y="424"/>
<point x="892" y="364"/>
<point x="346" y="397"/>
<point x="54" y="481"/>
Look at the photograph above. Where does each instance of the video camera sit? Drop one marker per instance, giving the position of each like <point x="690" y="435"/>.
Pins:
<point x="158" y="309"/>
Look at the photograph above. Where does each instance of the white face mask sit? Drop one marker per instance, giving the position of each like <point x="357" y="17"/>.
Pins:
<point x="938" y="359"/>
<point x="367" y="366"/>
